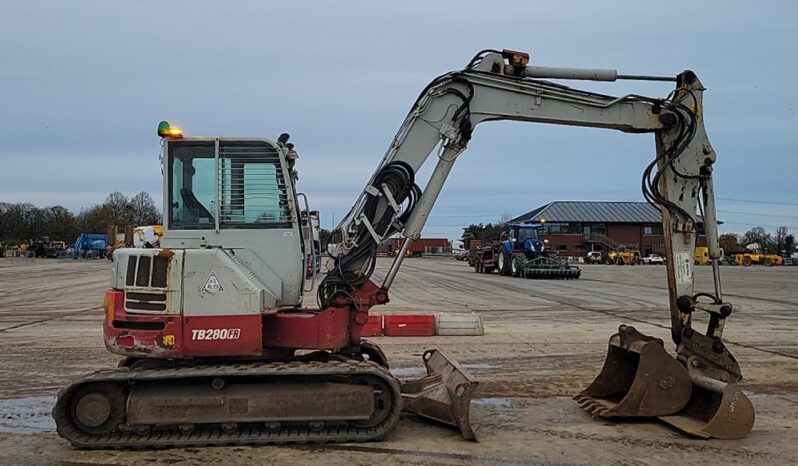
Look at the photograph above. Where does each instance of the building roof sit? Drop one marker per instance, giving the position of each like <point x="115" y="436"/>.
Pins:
<point x="590" y="211"/>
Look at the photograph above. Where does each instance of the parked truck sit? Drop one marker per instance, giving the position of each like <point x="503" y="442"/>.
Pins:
<point x="702" y="256"/>
<point x="90" y="244"/>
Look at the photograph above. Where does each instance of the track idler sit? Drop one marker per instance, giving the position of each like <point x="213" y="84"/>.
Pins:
<point x="639" y="379"/>
<point x="443" y="395"/>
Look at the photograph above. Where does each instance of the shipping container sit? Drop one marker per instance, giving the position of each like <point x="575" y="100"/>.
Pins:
<point x="421" y="246"/>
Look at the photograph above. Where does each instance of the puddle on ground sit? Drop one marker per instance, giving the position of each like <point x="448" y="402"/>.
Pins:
<point x="29" y="415"/>
<point x="494" y="402"/>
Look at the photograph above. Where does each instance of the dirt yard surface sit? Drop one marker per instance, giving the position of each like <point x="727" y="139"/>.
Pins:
<point x="544" y="342"/>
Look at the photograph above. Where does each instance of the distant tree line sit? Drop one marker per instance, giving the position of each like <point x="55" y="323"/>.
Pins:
<point x="23" y="222"/>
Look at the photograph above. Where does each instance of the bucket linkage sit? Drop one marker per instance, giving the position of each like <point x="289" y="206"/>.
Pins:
<point x="717" y="408"/>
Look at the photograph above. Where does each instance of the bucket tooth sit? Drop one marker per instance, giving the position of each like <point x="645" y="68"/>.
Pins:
<point x="639" y="378"/>
<point x="598" y="410"/>
<point x="711" y="413"/>
<point x="443" y="395"/>
<point x="583" y="401"/>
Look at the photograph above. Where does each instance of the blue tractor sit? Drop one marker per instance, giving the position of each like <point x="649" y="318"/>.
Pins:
<point x="521" y="252"/>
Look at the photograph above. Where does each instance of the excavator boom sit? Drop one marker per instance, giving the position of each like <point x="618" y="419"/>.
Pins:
<point x="502" y="86"/>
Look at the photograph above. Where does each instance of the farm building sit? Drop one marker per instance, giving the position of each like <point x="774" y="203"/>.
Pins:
<point x="575" y="228"/>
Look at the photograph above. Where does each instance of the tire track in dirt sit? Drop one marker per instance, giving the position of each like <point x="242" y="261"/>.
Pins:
<point x="49" y="319"/>
<point x="581" y="306"/>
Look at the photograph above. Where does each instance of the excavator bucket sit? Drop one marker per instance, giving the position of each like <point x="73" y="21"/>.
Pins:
<point x="443" y="395"/>
<point x="715" y="412"/>
<point x="639" y="378"/>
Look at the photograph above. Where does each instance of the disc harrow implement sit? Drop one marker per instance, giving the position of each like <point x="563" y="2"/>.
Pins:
<point x="551" y="268"/>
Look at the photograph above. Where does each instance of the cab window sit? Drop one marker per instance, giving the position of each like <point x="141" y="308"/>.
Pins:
<point x="252" y="189"/>
<point x="191" y="196"/>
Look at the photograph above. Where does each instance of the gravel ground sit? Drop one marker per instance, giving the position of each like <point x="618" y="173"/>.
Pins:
<point x="544" y="342"/>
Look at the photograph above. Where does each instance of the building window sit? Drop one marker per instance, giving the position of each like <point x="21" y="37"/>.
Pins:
<point x="562" y="247"/>
<point x="574" y="228"/>
<point x="599" y="228"/>
<point x="652" y="229"/>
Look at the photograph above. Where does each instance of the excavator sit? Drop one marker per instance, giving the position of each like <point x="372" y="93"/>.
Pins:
<point x="219" y="348"/>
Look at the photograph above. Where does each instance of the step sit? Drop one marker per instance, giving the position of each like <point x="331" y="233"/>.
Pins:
<point x="409" y="325"/>
<point x="459" y="324"/>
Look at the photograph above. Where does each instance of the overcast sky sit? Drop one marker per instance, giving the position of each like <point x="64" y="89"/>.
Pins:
<point x="83" y="85"/>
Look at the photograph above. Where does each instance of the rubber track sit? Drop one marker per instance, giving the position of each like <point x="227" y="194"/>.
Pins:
<point x="214" y="435"/>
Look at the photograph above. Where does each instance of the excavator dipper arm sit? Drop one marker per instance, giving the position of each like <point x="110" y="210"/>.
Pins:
<point x="451" y="106"/>
<point x="501" y="86"/>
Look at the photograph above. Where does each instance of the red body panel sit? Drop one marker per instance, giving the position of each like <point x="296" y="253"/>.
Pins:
<point x="406" y="325"/>
<point x="305" y="329"/>
<point x="171" y="336"/>
<point x="140" y="335"/>
<point x="234" y="335"/>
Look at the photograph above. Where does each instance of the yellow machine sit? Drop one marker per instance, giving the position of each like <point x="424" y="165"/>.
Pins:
<point x="119" y="236"/>
<point x="623" y="257"/>
<point x="701" y="255"/>
<point x="751" y="258"/>
<point x="148" y="236"/>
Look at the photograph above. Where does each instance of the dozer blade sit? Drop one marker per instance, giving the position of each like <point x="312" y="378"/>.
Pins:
<point x="639" y="378"/>
<point x="715" y="412"/>
<point x="443" y="395"/>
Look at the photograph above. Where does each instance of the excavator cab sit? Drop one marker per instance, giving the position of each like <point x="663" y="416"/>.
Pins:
<point x="232" y="247"/>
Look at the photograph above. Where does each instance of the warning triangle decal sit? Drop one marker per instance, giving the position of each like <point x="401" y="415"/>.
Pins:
<point x="213" y="284"/>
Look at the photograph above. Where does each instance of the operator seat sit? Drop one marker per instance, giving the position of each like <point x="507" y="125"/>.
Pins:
<point x="193" y="204"/>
